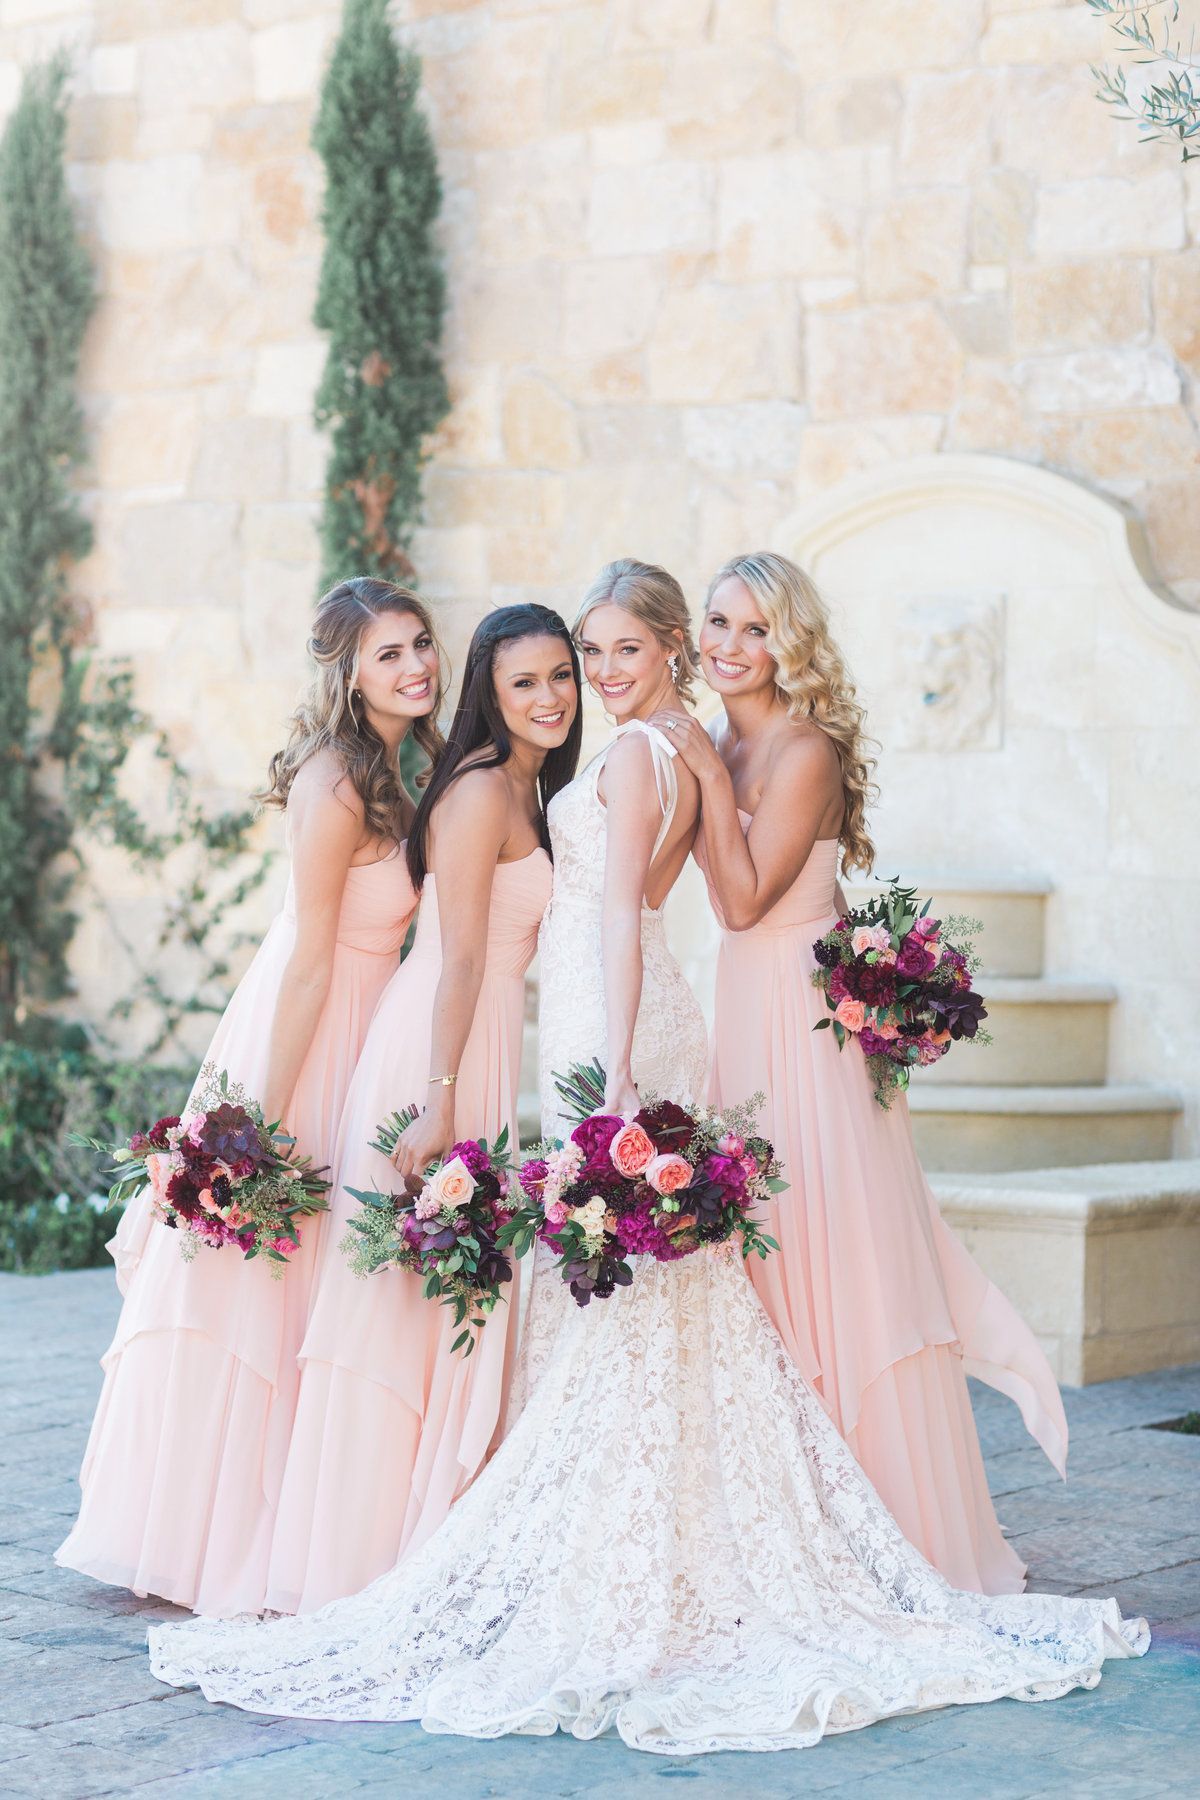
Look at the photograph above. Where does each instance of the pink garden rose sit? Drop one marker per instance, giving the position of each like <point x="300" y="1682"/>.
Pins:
<point x="927" y="928"/>
<point x="851" y="1013"/>
<point x="631" y="1151"/>
<point x="556" y="1213"/>
<point x="731" y="1144"/>
<point x="158" y="1168"/>
<point x="285" y="1246"/>
<point x="668" y="1172"/>
<point x="887" y="1028"/>
<point x="870" y="937"/>
<point x="453" y="1184"/>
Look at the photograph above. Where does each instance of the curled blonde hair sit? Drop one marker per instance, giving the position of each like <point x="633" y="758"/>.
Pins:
<point x="813" y="681"/>
<point x="655" y="598"/>
<point x="327" y="718"/>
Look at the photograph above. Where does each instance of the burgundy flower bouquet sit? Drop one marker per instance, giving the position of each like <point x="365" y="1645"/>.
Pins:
<point x="665" y="1184"/>
<point x="447" y="1232"/>
<point x="899" y="984"/>
<point x="220" y="1175"/>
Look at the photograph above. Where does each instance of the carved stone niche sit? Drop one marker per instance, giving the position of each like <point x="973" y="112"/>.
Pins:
<point x="947" y="690"/>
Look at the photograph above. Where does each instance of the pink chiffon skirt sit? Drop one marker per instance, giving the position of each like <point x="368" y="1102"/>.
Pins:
<point x="186" y="1453"/>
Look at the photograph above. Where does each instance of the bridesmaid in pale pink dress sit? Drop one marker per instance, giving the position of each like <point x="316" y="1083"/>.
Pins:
<point x="876" y="1300"/>
<point x="186" y="1453"/>
<point x="391" y="1425"/>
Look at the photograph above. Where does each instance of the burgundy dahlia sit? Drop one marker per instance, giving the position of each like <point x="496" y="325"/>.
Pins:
<point x="876" y="984"/>
<point x="667" y="1125"/>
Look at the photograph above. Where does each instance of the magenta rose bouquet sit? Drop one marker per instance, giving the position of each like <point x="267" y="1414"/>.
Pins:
<point x="447" y="1231"/>
<point x="899" y="984"/>
<point x="220" y="1175"/>
<point x="668" y="1182"/>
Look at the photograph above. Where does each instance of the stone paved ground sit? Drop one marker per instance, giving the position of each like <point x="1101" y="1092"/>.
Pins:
<point x="81" y="1715"/>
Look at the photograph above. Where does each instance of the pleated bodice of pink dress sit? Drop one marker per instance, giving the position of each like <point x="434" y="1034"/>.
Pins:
<point x="877" y="1301"/>
<point x="391" y="1425"/>
<point x="186" y="1453"/>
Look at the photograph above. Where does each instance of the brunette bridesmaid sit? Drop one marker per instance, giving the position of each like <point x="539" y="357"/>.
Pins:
<point x="877" y="1301"/>
<point x="186" y="1454"/>
<point x="391" y="1425"/>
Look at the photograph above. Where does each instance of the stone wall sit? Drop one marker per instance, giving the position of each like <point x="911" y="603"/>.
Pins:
<point x="707" y="258"/>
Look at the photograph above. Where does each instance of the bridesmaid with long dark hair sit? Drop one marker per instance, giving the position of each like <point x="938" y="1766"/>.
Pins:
<point x="391" y="1426"/>
<point x="186" y="1454"/>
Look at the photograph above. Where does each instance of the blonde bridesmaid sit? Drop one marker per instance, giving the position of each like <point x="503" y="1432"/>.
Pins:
<point x="391" y="1426"/>
<point x="877" y="1301"/>
<point x="186" y="1454"/>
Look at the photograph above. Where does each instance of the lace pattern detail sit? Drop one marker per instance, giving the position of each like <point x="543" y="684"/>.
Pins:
<point x="674" y="1543"/>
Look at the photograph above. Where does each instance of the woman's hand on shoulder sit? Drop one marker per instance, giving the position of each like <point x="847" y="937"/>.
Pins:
<point x="691" y="743"/>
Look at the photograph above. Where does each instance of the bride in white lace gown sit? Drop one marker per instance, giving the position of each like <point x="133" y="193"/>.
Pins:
<point x="672" y="1542"/>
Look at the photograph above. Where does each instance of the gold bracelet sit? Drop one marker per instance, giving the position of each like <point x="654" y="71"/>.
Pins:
<point x="442" y="1080"/>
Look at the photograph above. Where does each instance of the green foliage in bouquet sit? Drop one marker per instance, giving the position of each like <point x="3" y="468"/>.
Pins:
<point x="67" y="722"/>
<point x="382" y="299"/>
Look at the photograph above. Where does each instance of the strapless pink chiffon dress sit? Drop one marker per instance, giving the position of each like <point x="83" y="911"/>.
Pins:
<point x="186" y="1453"/>
<point x="391" y="1427"/>
<point x="877" y="1301"/>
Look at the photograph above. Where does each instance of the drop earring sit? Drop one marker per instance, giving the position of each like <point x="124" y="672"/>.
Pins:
<point x="673" y="665"/>
<point x="350" y="704"/>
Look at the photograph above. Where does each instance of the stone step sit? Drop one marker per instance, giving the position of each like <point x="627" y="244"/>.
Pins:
<point x="1009" y="908"/>
<point x="993" y="1127"/>
<point x="1103" y="1261"/>
<point x="1043" y="1032"/>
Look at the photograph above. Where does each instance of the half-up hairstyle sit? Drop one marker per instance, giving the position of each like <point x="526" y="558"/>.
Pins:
<point x="327" y="717"/>
<point x="813" y="681"/>
<point x="655" y="598"/>
<point x="478" y="724"/>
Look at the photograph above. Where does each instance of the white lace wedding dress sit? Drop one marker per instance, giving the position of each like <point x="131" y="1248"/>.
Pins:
<point x="672" y="1541"/>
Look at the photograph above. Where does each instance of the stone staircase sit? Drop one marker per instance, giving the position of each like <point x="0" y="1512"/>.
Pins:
<point x="1038" y="1096"/>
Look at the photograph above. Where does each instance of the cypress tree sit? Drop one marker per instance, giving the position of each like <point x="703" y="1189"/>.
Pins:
<point x="381" y="298"/>
<point x="45" y="299"/>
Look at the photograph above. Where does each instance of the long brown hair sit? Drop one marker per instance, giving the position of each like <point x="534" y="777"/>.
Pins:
<point x="327" y="718"/>
<point x="813" y="681"/>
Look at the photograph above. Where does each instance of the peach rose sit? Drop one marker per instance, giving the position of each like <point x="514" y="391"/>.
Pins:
<point x="159" y="1169"/>
<point x="668" y="1172"/>
<point x="453" y="1184"/>
<point x="631" y="1151"/>
<point x="887" y="1028"/>
<point x="851" y="1013"/>
<point x="870" y="937"/>
<point x="941" y="1037"/>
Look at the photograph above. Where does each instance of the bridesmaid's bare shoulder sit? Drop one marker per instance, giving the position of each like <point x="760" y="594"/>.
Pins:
<point x="804" y="756"/>
<point x="323" y="795"/>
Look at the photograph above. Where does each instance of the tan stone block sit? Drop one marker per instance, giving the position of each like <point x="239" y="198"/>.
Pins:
<point x="532" y="201"/>
<point x="1001" y="217"/>
<point x="947" y="126"/>
<point x="1094" y="380"/>
<point x="830" y="453"/>
<point x="886" y="36"/>
<point x="285" y="379"/>
<point x="1111" y="215"/>
<point x="288" y="60"/>
<point x="451" y="561"/>
<point x="599" y="88"/>
<point x="275" y="612"/>
<point x="720" y="100"/>
<point x="915" y="245"/>
<point x="540" y="427"/>
<point x="508" y="315"/>
<point x="145" y="441"/>
<point x="469" y="435"/>
<point x="206" y="66"/>
<point x="188" y="551"/>
<point x="1050" y="125"/>
<point x="492" y="91"/>
<point x="981" y="323"/>
<point x="881" y="359"/>
<point x="165" y="134"/>
<point x="989" y="414"/>
<point x="253" y="134"/>
<point x="118" y="20"/>
<point x="239" y="459"/>
<point x="307" y="455"/>
<point x="641" y="22"/>
<point x="638" y="141"/>
<point x="281" y="203"/>
<point x="852" y="112"/>
<point x="112" y="69"/>
<point x="151" y="206"/>
<point x="1046" y="34"/>
<point x="1152" y="440"/>
<point x="1177" y="304"/>
<point x="717" y="343"/>
<point x="618" y="376"/>
<point x="280" y="533"/>
<point x="631" y="509"/>
<point x="520" y="499"/>
<point x="1064" y="305"/>
<point x="737" y="21"/>
<point x="608" y="304"/>
<point x="623" y="434"/>
<point x="761" y="436"/>
<point x="1171" y="513"/>
<point x="638" y="211"/>
<point x="100" y="126"/>
<point x="795" y="213"/>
